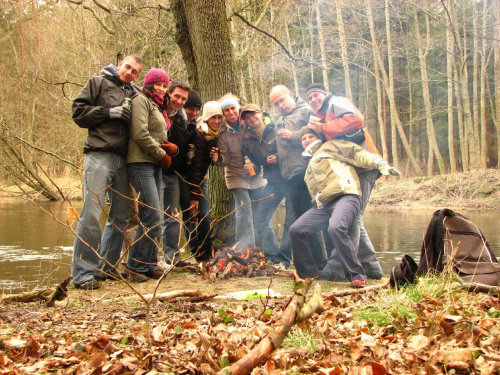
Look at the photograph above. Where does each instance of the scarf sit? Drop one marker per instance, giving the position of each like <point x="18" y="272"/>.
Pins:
<point x="158" y="99"/>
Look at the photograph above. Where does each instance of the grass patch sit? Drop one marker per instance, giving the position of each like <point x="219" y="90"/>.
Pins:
<point x="303" y="337"/>
<point x="393" y="305"/>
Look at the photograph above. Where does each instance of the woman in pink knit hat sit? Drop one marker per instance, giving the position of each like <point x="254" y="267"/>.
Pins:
<point x="148" y="153"/>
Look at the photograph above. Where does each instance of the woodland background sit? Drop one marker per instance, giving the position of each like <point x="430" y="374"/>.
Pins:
<point x="426" y="74"/>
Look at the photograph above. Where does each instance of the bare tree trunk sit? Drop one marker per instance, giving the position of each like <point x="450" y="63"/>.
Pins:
<point x="431" y="134"/>
<point x="450" y="62"/>
<point x="496" y="46"/>
<point x="343" y="48"/>
<point x="389" y="88"/>
<point x="321" y="42"/>
<point x="482" y="102"/>
<point x="293" y="67"/>
<point x="380" y="112"/>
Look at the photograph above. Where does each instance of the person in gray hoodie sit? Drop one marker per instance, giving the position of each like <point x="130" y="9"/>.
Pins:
<point x="100" y="108"/>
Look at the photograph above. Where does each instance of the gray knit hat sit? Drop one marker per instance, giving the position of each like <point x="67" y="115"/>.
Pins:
<point x="306" y="129"/>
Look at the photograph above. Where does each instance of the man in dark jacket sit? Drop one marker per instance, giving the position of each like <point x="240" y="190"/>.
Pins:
<point x="178" y="134"/>
<point x="100" y="108"/>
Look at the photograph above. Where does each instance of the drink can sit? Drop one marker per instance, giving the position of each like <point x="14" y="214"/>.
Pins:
<point x="190" y="154"/>
<point x="127" y="102"/>
<point x="215" y="156"/>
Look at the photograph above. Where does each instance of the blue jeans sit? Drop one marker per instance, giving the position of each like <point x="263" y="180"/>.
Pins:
<point x="337" y="216"/>
<point x="359" y="236"/>
<point x="197" y="234"/>
<point x="171" y="194"/>
<point x="100" y="170"/>
<point x="245" y="210"/>
<point x="146" y="179"/>
<point x="265" y="236"/>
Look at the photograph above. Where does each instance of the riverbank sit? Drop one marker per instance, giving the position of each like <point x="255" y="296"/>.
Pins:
<point x="476" y="190"/>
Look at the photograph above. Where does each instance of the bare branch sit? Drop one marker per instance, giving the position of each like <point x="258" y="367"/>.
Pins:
<point x="100" y="20"/>
<point x="295" y="60"/>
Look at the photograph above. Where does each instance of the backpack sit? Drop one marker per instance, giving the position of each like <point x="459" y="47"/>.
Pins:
<point x="455" y="241"/>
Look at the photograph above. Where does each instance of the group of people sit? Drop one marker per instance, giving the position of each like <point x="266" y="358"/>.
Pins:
<point x="147" y="150"/>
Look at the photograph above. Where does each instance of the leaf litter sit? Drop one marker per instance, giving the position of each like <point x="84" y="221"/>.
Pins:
<point x="456" y="332"/>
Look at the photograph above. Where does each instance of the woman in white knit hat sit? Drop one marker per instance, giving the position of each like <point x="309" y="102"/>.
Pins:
<point x="244" y="187"/>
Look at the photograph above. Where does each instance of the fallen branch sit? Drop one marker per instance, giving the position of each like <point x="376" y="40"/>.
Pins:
<point x="163" y="296"/>
<point x="50" y="295"/>
<point x="349" y="292"/>
<point x="275" y="338"/>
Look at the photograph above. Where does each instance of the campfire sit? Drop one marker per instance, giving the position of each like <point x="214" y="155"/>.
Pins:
<point x="234" y="261"/>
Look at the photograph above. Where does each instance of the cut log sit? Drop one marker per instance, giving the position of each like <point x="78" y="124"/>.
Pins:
<point x="50" y="295"/>
<point x="275" y="338"/>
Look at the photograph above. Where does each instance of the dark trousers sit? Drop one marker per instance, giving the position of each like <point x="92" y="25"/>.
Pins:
<point x="301" y="202"/>
<point x="337" y="217"/>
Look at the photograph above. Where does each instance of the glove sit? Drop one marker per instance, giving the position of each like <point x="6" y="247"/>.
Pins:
<point x="170" y="148"/>
<point x="166" y="162"/>
<point x="387" y="170"/>
<point x="120" y="113"/>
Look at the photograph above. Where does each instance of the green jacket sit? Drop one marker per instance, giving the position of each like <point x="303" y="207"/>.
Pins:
<point x="148" y="129"/>
<point x="331" y="171"/>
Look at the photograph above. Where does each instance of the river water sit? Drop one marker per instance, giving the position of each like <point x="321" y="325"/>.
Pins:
<point x="36" y="240"/>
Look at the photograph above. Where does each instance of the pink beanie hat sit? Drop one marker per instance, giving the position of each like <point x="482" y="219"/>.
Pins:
<point x="156" y="75"/>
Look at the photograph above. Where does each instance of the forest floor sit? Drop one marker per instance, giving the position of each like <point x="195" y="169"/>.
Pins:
<point x="434" y="326"/>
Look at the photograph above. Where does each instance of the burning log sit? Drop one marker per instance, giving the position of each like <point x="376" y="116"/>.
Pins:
<point x="235" y="261"/>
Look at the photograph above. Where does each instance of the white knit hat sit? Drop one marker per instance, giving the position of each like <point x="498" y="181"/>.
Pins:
<point x="211" y="109"/>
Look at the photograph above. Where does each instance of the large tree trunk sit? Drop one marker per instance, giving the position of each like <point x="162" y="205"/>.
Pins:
<point x="206" y="45"/>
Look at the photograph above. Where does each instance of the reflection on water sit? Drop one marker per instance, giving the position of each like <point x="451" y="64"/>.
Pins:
<point x="35" y="249"/>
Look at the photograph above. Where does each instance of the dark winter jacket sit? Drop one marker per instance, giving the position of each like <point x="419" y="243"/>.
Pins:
<point x="258" y="149"/>
<point x="197" y="170"/>
<point x="180" y="134"/>
<point x="91" y="111"/>
<point x="290" y="157"/>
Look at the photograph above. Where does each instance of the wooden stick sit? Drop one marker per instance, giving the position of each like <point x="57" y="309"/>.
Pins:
<point x="349" y="292"/>
<point x="275" y="338"/>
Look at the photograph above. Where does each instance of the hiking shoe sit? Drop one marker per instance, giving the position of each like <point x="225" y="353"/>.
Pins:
<point x="88" y="285"/>
<point x="358" y="283"/>
<point x="111" y="275"/>
<point x="330" y="276"/>
<point x="154" y="274"/>
<point x="136" y="277"/>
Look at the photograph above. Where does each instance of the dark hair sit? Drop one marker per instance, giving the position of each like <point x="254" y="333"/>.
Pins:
<point x="178" y="83"/>
<point x="149" y="91"/>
